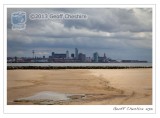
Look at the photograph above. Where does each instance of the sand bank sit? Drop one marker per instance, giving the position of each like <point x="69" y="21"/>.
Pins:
<point x="80" y="86"/>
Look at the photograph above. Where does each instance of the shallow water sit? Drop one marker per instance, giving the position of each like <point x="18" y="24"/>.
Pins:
<point x="47" y="95"/>
<point x="81" y="64"/>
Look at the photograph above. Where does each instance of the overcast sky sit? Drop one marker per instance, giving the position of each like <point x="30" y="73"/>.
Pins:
<point x="120" y="33"/>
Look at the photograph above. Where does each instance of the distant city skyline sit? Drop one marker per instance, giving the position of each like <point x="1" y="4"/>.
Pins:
<point x="72" y="58"/>
<point x="118" y="32"/>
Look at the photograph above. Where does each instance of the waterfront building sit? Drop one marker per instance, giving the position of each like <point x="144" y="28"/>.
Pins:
<point x="95" y="57"/>
<point x="76" y="53"/>
<point x="72" y="55"/>
<point x="58" y="56"/>
<point x="88" y="59"/>
<point x="82" y="57"/>
<point x="67" y="54"/>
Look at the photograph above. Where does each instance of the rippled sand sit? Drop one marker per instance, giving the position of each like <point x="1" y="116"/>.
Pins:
<point x="80" y="86"/>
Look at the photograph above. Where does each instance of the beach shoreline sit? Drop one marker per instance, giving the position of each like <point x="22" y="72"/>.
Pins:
<point x="80" y="86"/>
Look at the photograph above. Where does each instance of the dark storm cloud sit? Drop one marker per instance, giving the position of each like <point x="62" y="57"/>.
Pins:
<point x="115" y="20"/>
<point x="105" y="30"/>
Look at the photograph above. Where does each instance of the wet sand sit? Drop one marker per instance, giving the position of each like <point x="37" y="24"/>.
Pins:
<point x="80" y="87"/>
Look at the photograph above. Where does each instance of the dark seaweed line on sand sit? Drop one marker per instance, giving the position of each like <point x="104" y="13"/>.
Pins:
<point x="75" y="67"/>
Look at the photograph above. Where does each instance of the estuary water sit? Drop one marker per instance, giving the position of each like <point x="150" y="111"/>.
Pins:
<point x="83" y="64"/>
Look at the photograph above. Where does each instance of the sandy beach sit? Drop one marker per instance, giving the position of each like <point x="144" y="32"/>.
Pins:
<point x="80" y="87"/>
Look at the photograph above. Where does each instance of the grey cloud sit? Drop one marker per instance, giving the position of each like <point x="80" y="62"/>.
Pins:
<point x="107" y="30"/>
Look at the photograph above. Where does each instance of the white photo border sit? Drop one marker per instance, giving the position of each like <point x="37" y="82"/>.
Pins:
<point x="78" y="109"/>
